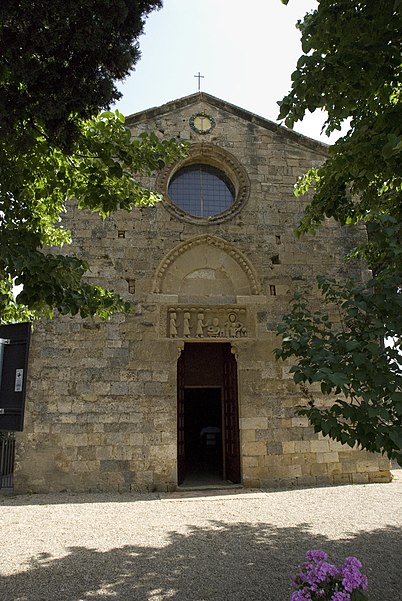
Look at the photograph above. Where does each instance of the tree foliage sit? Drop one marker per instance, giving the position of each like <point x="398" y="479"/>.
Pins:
<point x="58" y="64"/>
<point x="59" y="60"/>
<point x="351" y="68"/>
<point x="100" y="174"/>
<point x="347" y="359"/>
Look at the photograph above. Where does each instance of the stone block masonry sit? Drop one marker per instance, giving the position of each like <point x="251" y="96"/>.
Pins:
<point x="107" y="406"/>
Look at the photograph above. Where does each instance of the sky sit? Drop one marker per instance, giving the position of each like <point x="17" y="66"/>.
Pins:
<point x="246" y="51"/>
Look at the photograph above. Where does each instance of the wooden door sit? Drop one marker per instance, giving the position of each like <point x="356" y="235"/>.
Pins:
<point x="14" y="348"/>
<point x="181" y="457"/>
<point x="231" y="417"/>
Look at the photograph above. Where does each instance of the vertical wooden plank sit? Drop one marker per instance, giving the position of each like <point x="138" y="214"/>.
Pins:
<point x="231" y="417"/>
<point x="181" y="457"/>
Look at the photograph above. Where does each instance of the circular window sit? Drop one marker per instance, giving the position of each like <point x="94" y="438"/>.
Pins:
<point x="209" y="186"/>
<point x="201" y="190"/>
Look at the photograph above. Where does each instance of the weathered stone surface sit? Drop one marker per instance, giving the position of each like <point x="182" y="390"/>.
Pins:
<point x="101" y="409"/>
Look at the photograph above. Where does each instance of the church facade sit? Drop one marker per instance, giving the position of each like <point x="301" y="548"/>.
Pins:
<point x="185" y="389"/>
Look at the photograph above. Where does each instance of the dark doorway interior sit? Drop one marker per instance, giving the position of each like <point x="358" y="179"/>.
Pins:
<point x="208" y="444"/>
<point x="203" y="433"/>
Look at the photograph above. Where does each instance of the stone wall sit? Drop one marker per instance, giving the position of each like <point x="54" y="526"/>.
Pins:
<point x="101" y="410"/>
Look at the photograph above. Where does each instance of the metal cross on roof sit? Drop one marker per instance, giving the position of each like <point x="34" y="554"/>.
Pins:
<point x="199" y="77"/>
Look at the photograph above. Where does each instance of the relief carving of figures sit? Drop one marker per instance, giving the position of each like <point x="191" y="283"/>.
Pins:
<point x="208" y="322"/>
<point x="173" y="325"/>
<point x="186" y="325"/>
<point x="200" y="325"/>
<point x="213" y="330"/>
<point x="234" y="328"/>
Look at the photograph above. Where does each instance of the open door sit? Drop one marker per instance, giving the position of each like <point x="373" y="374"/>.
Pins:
<point x="231" y="417"/>
<point x="207" y="407"/>
<point x="181" y="456"/>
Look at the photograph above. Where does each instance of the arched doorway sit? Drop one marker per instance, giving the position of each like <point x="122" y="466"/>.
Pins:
<point x="208" y="445"/>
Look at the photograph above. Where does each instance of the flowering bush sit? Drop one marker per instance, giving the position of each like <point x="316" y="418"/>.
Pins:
<point x="319" y="580"/>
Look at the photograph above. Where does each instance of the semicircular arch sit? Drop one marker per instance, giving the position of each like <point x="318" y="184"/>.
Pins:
<point x="206" y="265"/>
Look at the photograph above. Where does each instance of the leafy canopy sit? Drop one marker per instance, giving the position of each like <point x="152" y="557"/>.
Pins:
<point x="346" y="359"/>
<point x="101" y="174"/>
<point x="351" y="68"/>
<point x="59" y="60"/>
<point x="58" y="64"/>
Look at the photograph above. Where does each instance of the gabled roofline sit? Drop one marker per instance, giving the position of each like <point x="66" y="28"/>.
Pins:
<point x="231" y="108"/>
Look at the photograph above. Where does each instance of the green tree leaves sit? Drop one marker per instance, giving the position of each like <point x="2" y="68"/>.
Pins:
<point x="348" y="359"/>
<point x="59" y="62"/>
<point x="337" y="71"/>
<point x="101" y="172"/>
<point x="351" y="68"/>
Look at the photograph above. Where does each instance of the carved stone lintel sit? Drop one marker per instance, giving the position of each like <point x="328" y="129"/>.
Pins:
<point x="206" y="323"/>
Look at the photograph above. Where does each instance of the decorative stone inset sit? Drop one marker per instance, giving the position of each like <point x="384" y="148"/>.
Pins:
<point x="186" y="264"/>
<point x="206" y="322"/>
<point x="202" y="123"/>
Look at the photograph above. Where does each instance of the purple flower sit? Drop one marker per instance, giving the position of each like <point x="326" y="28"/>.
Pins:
<point x="339" y="596"/>
<point x="320" y="580"/>
<point x="352" y="561"/>
<point x="364" y="582"/>
<point x="351" y="576"/>
<point x="351" y="580"/>
<point x="325" y="569"/>
<point x="316" y="555"/>
<point x="315" y="573"/>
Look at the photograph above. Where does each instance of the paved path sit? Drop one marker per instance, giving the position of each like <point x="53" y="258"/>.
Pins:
<point x="238" y="545"/>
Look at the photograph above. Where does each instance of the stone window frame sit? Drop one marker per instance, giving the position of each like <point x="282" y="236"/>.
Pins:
<point x="221" y="159"/>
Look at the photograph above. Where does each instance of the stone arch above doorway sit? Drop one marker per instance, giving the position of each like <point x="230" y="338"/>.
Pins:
<point x="206" y="266"/>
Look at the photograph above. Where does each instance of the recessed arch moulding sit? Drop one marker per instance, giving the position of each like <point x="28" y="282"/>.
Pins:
<point x="206" y="266"/>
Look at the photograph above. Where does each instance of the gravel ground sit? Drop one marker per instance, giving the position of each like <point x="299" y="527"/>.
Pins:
<point x="220" y="545"/>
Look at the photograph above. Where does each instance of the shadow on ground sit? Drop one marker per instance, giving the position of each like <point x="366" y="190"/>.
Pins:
<point x="221" y="562"/>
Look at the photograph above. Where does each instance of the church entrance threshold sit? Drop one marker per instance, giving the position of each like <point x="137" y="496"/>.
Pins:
<point x="208" y="425"/>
